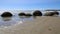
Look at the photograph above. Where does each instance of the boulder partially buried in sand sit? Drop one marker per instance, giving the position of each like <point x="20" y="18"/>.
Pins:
<point x="48" y="14"/>
<point x="21" y="14"/>
<point x="28" y="14"/>
<point x="55" y="12"/>
<point x="51" y="13"/>
<point x="6" y="14"/>
<point x="37" y="13"/>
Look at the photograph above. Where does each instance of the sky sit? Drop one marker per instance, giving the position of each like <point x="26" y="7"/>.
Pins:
<point x="29" y="4"/>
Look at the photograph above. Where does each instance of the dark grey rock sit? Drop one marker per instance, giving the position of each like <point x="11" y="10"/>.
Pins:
<point x="28" y="14"/>
<point x="48" y="14"/>
<point x="37" y="13"/>
<point x="51" y="13"/>
<point x="6" y="14"/>
<point x="21" y="14"/>
<point x="55" y="12"/>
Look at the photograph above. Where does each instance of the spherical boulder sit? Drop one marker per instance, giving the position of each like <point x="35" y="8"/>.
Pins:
<point x="37" y="13"/>
<point x="21" y="14"/>
<point x="6" y="14"/>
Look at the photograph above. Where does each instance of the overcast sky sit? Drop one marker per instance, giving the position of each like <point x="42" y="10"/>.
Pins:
<point x="29" y="4"/>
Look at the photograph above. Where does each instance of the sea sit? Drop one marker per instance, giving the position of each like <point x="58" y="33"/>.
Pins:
<point x="16" y="19"/>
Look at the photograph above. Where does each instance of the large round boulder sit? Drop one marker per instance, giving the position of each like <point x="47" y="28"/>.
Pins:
<point x="21" y="14"/>
<point x="37" y="13"/>
<point x="6" y="14"/>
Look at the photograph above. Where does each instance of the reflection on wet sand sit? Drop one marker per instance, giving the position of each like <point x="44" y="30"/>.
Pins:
<point x="40" y="25"/>
<point x="6" y="18"/>
<point x="13" y="21"/>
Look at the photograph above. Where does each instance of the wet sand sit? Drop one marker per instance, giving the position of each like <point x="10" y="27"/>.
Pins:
<point x="40" y="25"/>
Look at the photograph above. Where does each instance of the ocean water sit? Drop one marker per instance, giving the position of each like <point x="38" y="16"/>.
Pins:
<point x="15" y="19"/>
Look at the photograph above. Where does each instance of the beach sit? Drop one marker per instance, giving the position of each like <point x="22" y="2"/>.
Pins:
<point x="39" y="25"/>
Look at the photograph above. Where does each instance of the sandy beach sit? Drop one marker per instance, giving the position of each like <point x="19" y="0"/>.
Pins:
<point x="40" y="25"/>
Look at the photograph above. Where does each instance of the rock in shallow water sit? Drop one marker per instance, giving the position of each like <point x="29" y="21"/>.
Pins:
<point x="28" y="14"/>
<point x="6" y="14"/>
<point x="37" y="13"/>
<point x="21" y="14"/>
<point x="51" y="13"/>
